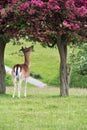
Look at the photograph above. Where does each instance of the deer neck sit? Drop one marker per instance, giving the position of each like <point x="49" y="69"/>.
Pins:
<point x="27" y="60"/>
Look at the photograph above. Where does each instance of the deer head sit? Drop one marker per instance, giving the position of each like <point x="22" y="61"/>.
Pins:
<point x="25" y="49"/>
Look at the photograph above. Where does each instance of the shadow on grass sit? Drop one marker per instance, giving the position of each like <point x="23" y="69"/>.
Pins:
<point x="43" y="96"/>
<point x="5" y="95"/>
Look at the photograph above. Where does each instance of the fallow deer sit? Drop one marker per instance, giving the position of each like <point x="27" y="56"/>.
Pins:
<point x="21" y="72"/>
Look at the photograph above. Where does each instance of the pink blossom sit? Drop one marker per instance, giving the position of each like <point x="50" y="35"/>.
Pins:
<point x="37" y="3"/>
<point x="56" y="7"/>
<point x="53" y="7"/>
<point x="71" y="25"/>
<point x="31" y="11"/>
<point x="66" y="24"/>
<point x="76" y="26"/>
<point x="24" y="6"/>
<point x="82" y="11"/>
<point x="72" y="16"/>
<point x="49" y="6"/>
<point x="53" y="1"/>
<point x="69" y="4"/>
<point x="3" y="12"/>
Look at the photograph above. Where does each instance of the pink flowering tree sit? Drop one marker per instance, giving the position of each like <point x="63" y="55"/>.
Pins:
<point x="52" y="22"/>
<point x="7" y="31"/>
<point x="3" y="40"/>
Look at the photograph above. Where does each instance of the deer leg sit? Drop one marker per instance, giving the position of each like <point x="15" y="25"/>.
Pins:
<point x="14" y="88"/>
<point x="25" y="87"/>
<point x="19" y="88"/>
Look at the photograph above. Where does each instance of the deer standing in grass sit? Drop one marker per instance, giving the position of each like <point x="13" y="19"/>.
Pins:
<point x="21" y="72"/>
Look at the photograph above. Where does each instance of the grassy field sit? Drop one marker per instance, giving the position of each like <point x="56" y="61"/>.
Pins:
<point x="43" y="109"/>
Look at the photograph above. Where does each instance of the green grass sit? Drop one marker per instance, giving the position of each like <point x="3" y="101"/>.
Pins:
<point x="43" y="109"/>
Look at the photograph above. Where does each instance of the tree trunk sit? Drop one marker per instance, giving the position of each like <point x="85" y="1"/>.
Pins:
<point x="2" y="69"/>
<point x="64" y="77"/>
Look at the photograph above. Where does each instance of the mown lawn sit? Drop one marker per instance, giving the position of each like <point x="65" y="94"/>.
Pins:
<point x="43" y="109"/>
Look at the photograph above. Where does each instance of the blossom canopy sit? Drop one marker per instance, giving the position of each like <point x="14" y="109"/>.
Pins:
<point x="43" y="20"/>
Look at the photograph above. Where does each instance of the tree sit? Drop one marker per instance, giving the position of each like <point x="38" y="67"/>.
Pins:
<point x="7" y="31"/>
<point x="53" y="22"/>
